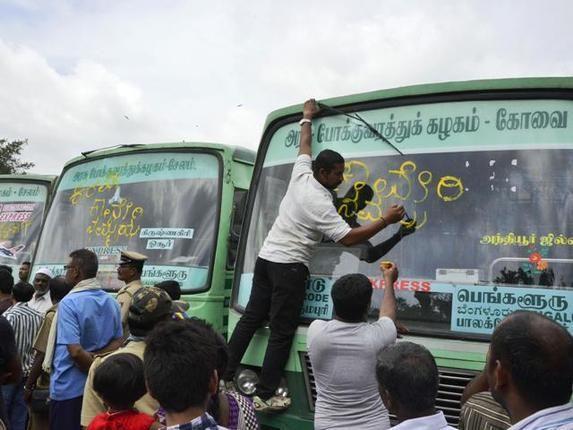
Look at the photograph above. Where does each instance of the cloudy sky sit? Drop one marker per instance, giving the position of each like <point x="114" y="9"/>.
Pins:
<point x="80" y="75"/>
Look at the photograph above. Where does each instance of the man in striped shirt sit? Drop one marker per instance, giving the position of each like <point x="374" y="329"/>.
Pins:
<point x="482" y="412"/>
<point x="530" y="371"/>
<point x="479" y="410"/>
<point x="25" y="322"/>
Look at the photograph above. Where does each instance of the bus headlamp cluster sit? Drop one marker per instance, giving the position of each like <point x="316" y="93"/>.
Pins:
<point x="247" y="381"/>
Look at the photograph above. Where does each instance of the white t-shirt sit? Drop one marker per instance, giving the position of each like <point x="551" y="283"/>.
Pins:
<point x="306" y="214"/>
<point x="343" y="358"/>
<point x="430" y="422"/>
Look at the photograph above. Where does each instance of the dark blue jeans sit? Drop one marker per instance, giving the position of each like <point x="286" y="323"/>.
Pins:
<point x="277" y="296"/>
<point x="66" y="414"/>
<point x="15" y="406"/>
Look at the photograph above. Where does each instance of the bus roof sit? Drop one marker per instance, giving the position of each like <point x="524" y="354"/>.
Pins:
<point x="238" y="153"/>
<point x="565" y="82"/>
<point x="26" y="177"/>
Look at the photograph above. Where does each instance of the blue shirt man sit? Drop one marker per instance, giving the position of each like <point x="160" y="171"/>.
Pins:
<point x="88" y="322"/>
<point x="90" y="318"/>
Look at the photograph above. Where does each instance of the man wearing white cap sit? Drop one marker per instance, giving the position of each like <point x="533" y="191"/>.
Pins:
<point x="41" y="300"/>
<point x="129" y="271"/>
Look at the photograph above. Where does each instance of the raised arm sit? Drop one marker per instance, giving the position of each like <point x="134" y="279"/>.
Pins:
<point x="388" y="305"/>
<point x="363" y="233"/>
<point x="309" y="110"/>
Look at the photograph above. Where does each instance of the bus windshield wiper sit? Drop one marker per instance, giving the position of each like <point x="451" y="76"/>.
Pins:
<point x="125" y="145"/>
<point x="357" y="117"/>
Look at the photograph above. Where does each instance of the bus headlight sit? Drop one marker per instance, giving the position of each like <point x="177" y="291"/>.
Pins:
<point x="247" y="381"/>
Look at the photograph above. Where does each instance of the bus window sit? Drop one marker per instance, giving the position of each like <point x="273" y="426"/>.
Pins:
<point x="491" y="198"/>
<point x="22" y="208"/>
<point x="239" y="203"/>
<point x="162" y="204"/>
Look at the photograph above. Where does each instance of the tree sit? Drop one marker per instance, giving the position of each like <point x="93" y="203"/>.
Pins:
<point x="10" y="157"/>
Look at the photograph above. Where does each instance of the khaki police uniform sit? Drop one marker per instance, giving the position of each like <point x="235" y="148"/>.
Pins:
<point x="125" y="294"/>
<point x="124" y="297"/>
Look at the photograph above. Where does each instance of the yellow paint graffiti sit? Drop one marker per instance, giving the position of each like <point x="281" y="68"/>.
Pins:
<point x="88" y="193"/>
<point x="10" y="229"/>
<point x="406" y="184"/>
<point x="353" y="168"/>
<point x="112" y="218"/>
<point x="450" y="182"/>
<point x="424" y="179"/>
<point x="112" y="221"/>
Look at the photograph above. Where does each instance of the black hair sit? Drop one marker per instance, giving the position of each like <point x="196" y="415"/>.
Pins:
<point x="119" y="380"/>
<point x="213" y="407"/>
<point x="351" y="295"/>
<point x="58" y="288"/>
<point x="27" y="263"/>
<point x="6" y="268"/>
<point x="179" y="362"/>
<point x="326" y="160"/>
<point x="170" y="287"/>
<point x="6" y="282"/>
<point x="23" y="292"/>
<point x="86" y="262"/>
<point x="537" y="353"/>
<point x="410" y="375"/>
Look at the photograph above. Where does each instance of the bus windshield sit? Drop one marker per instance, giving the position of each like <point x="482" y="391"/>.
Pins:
<point x="489" y="185"/>
<point x="163" y="205"/>
<point x="22" y="208"/>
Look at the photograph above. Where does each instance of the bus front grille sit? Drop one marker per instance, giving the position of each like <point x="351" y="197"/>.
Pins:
<point x="452" y="384"/>
<point x="309" y="381"/>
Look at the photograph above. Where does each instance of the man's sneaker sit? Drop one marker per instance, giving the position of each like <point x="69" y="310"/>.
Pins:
<point x="273" y="404"/>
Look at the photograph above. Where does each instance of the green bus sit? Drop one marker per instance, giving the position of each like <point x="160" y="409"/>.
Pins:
<point x="23" y="203"/>
<point x="484" y="168"/>
<point x="180" y="204"/>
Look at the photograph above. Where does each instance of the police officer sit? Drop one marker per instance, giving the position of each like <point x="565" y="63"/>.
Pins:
<point x="129" y="271"/>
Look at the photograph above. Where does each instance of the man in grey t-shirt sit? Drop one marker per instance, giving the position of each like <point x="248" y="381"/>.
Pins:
<point x="343" y="354"/>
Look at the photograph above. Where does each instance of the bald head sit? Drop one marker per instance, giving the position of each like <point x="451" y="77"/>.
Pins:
<point x="536" y="352"/>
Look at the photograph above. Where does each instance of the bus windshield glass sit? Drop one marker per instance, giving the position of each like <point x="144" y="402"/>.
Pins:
<point x="489" y="185"/>
<point x="22" y="206"/>
<point x="163" y="205"/>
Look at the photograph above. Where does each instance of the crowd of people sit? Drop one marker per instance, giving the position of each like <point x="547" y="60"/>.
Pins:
<point x="83" y="363"/>
<point x="72" y="356"/>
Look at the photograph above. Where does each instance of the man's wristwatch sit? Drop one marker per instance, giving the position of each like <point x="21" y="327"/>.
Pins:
<point x="304" y="121"/>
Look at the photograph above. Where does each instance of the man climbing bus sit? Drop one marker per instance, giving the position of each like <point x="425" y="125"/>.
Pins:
<point x="306" y="215"/>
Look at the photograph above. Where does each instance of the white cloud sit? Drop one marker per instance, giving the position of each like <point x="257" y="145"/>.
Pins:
<point x="62" y="115"/>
